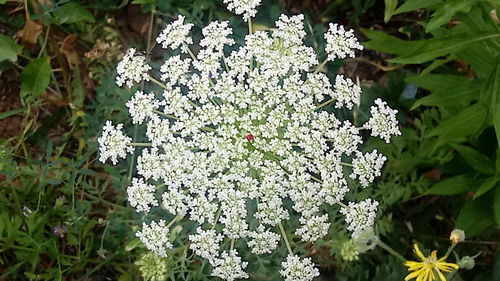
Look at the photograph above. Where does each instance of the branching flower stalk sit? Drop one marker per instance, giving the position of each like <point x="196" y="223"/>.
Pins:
<point x="246" y="128"/>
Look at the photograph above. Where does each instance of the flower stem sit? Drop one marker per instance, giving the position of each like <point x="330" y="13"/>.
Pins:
<point x="217" y="215"/>
<point x="142" y="144"/>
<point x="159" y="83"/>
<point x="324" y="104"/>
<point x="448" y="252"/>
<point x="232" y="245"/>
<point x="320" y="66"/>
<point x="191" y="54"/>
<point x="285" y="238"/>
<point x="250" y="26"/>
<point x="346" y="164"/>
<point x="165" y="115"/>
<point x="174" y="220"/>
<point x="391" y="251"/>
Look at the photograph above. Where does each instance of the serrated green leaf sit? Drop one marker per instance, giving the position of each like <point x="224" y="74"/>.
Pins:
<point x="382" y="42"/>
<point x="496" y="206"/>
<point x="490" y="97"/>
<point x="458" y="93"/>
<point x="8" y="48"/>
<point x="35" y="77"/>
<point x="475" y="159"/>
<point x="435" y="82"/>
<point x="486" y="186"/>
<point x="73" y="12"/>
<point x="433" y="48"/>
<point x="444" y="14"/>
<point x="475" y="216"/>
<point x="454" y="185"/>
<point x="467" y="122"/>
<point x="390" y="6"/>
<point x="412" y="5"/>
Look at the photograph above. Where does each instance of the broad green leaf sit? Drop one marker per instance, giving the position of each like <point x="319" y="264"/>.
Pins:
<point x="475" y="159"/>
<point x="11" y="112"/>
<point x="382" y="42"/>
<point x="486" y="186"/>
<point x="459" y="93"/>
<point x="437" y="63"/>
<point x="73" y="12"/>
<point x="8" y="48"/>
<point x="490" y="97"/>
<point x="496" y="206"/>
<point x="435" y="82"/>
<point x="35" y="77"/>
<point x="479" y="55"/>
<point x="412" y="5"/>
<point x="433" y="48"/>
<point x="467" y="122"/>
<point x="390" y="6"/>
<point x="444" y="14"/>
<point x="454" y="185"/>
<point x="475" y="216"/>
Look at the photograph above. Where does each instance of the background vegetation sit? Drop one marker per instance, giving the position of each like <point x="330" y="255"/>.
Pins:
<point x="65" y="217"/>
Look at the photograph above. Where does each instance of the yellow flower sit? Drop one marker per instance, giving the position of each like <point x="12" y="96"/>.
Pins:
<point x="428" y="267"/>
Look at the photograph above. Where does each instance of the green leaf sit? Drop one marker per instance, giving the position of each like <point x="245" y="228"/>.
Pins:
<point x="444" y="14"/>
<point x="463" y="124"/>
<point x="11" y="112"/>
<point x="454" y="185"/>
<point x="382" y="42"/>
<point x="390" y="6"/>
<point x="486" y="186"/>
<point x="8" y="48"/>
<point x="437" y="63"/>
<point x="433" y="48"/>
<point x="490" y="97"/>
<point x="35" y="77"/>
<point x="73" y="12"/>
<point x="475" y="159"/>
<point x="475" y="216"/>
<point x="459" y="93"/>
<point x="412" y="5"/>
<point x="435" y="82"/>
<point x="496" y="206"/>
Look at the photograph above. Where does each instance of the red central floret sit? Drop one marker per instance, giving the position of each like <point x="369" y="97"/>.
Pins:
<point x="249" y="137"/>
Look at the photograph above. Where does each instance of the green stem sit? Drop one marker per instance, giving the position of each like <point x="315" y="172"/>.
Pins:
<point x="174" y="220"/>
<point x="217" y="216"/>
<point x="324" y="104"/>
<point x="285" y="238"/>
<point x="250" y="31"/>
<point x="165" y="115"/>
<point x="152" y="79"/>
<point x="391" y="251"/>
<point x="144" y="144"/>
<point x="346" y="164"/>
<point x="319" y="67"/>
<point x="450" y="249"/>
<point x="232" y="245"/>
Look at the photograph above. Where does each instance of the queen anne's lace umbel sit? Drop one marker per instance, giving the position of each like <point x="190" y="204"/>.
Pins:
<point x="233" y="138"/>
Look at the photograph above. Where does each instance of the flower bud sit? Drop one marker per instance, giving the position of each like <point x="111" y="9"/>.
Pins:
<point x="349" y="251"/>
<point x="457" y="236"/>
<point x="467" y="263"/>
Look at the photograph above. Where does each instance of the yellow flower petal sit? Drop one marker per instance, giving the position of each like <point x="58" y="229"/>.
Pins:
<point x="441" y="276"/>
<point x="413" y="275"/>
<point x="417" y="251"/>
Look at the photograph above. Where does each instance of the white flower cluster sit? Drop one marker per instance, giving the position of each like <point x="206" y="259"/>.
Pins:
<point x="360" y="216"/>
<point x="132" y="69"/>
<point x="156" y="237"/>
<point x="141" y="195"/>
<point x="340" y="43"/>
<point x="247" y="8"/>
<point x="236" y="138"/>
<point x="297" y="269"/>
<point x="383" y="122"/>
<point x="113" y="144"/>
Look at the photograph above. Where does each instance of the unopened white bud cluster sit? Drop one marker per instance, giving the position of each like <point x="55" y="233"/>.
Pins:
<point x="235" y="138"/>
